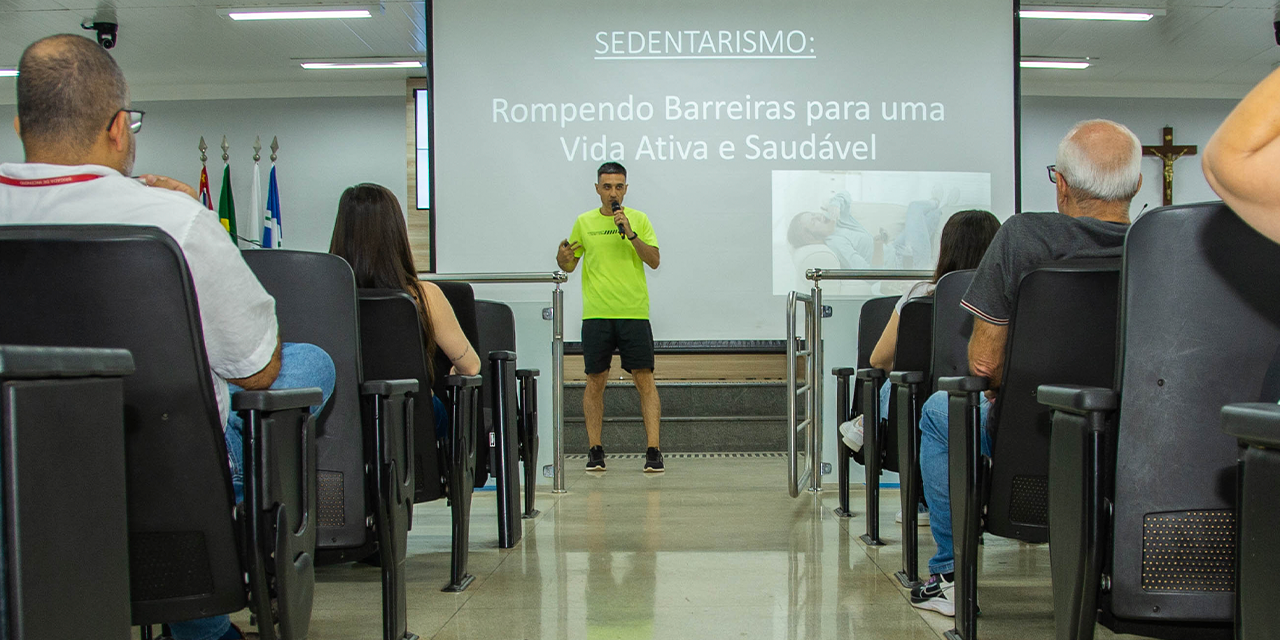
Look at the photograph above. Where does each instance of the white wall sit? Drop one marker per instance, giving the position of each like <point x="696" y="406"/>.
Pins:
<point x="1046" y="119"/>
<point x="326" y="145"/>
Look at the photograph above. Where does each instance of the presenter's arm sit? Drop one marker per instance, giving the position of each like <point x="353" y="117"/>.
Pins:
<point x="1241" y="158"/>
<point x="263" y="379"/>
<point x="647" y="253"/>
<point x="565" y="256"/>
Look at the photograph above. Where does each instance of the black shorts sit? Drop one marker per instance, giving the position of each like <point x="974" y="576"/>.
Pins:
<point x="633" y="338"/>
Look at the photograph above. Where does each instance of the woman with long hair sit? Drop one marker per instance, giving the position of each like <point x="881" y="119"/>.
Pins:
<point x="965" y="238"/>
<point x="370" y="234"/>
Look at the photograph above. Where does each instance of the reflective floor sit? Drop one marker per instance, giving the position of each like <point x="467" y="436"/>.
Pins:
<point x="714" y="548"/>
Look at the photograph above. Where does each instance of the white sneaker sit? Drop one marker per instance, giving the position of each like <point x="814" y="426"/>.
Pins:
<point x="922" y="517"/>
<point x="851" y="433"/>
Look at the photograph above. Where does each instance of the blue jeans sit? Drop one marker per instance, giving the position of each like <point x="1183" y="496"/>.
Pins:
<point x="301" y="365"/>
<point x="935" y="472"/>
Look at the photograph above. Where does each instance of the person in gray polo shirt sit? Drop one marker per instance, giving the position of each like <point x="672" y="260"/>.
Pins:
<point x="1097" y="175"/>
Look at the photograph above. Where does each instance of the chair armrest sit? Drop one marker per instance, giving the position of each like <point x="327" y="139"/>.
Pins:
<point x="1255" y="423"/>
<point x="26" y="362"/>
<point x="1077" y="399"/>
<point x="527" y="373"/>
<point x="963" y="384"/>
<point x="843" y="372"/>
<point x="871" y="374"/>
<point x="906" y="377"/>
<point x="463" y="382"/>
<point x="276" y="399"/>
<point x="502" y="355"/>
<point x="389" y="387"/>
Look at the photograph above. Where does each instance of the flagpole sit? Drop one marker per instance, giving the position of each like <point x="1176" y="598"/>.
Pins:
<point x="205" y="197"/>
<point x="273" y="198"/>
<point x="255" y="200"/>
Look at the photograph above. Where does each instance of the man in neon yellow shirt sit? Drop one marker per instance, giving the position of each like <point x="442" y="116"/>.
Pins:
<point x="614" y="244"/>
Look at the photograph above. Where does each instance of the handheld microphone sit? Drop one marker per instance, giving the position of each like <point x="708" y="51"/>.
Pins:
<point x="621" y="230"/>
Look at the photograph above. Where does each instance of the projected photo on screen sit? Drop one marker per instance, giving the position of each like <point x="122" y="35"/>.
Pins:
<point x="864" y="220"/>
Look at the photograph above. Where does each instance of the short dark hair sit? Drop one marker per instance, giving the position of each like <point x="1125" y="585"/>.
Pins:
<point x="69" y="88"/>
<point x="965" y="238"/>
<point x="610" y="167"/>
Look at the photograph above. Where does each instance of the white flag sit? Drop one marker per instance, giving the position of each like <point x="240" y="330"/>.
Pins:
<point x="255" y="200"/>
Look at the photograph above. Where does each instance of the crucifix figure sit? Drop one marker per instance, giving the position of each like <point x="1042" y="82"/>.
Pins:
<point x="1168" y="152"/>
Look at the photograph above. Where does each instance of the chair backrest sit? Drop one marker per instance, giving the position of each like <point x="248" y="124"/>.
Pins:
<point x="1063" y="331"/>
<point x="316" y="303"/>
<point x="952" y="326"/>
<point x="913" y="352"/>
<point x="1201" y="318"/>
<point x="128" y="287"/>
<point x="392" y="348"/>
<point x="872" y="319"/>
<point x="496" y="331"/>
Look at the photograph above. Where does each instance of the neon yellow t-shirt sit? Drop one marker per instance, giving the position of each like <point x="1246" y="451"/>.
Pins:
<point x="613" y="281"/>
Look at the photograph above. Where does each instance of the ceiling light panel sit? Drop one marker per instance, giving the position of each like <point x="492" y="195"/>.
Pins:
<point x="299" y="13"/>
<point x="1089" y="13"/>
<point x="365" y="64"/>
<point x="8" y="73"/>
<point x="1074" y="65"/>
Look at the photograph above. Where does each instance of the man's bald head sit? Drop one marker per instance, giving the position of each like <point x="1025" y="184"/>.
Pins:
<point x="68" y="90"/>
<point x="1100" y="160"/>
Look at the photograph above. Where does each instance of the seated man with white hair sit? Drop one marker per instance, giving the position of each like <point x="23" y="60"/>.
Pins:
<point x="1097" y="175"/>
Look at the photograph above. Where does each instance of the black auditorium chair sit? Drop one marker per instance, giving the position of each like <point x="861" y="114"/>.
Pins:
<point x="191" y="547"/>
<point x="504" y="393"/>
<point x="872" y="318"/>
<point x="54" y="400"/>
<point x="1063" y="330"/>
<point x="1257" y="427"/>
<point x="948" y="356"/>
<point x="392" y="346"/>
<point x="912" y="352"/>
<point x="1143" y="483"/>
<point x="365" y="481"/>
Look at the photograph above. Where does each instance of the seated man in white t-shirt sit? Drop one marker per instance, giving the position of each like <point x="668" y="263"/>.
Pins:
<point x="78" y="135"/>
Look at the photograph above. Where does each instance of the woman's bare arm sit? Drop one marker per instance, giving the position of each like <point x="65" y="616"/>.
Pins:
<point x="447" y="331"/>
<point x="1241" y="158"/>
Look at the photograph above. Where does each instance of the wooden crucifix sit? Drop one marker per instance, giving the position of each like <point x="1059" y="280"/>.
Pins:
<point x="1168" y="152"/>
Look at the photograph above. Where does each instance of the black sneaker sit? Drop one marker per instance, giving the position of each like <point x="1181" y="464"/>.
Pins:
<point x="653" y="461"/>
<point x="935" y="595"/>
<point x="595" y="459"/>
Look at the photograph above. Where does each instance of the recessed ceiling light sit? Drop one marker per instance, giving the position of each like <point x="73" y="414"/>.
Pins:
<point x="366" y="64"/>
<point x="8" y="73"/>
<point x="307" y="13"/>
<point x="1054" y="64"/>
<point x="1089" y="13"/>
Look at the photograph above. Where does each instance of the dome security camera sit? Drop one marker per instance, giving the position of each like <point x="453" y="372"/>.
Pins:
<point x="107" y="32"/>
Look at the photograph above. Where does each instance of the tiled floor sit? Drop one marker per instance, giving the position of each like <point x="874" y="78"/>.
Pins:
<point x="714" y="548"/>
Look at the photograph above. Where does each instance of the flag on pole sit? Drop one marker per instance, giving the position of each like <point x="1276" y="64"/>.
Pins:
<point x="227" y="205"/>
<point x="255" y="197"/>
<point x="205" y="198"/>
<point x="272" y="228"/>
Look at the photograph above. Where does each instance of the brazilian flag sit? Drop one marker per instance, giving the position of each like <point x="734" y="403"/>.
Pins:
<point x="227" y="205"/>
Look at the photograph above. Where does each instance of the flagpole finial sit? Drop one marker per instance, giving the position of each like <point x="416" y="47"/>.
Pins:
<point x="226" y="157"/>
<point x="204" y="149"/>
<point x="257" y="148"/>
<point x="275" y="147"/>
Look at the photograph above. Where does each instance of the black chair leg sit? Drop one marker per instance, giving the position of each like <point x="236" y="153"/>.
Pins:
<point x="843" y="453"/>
<point x="909" y="478"/>
<point x="965" y="435"/>
<point x="1078" y="522"/>
<point x="465" y="397"/>
<point x="528" y="428"/>
<point x="871" y="455"/>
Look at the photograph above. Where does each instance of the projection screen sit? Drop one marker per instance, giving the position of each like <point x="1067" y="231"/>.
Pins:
<point x="761" y="138"/>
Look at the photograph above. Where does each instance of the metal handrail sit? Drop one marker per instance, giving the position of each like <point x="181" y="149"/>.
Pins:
<point x="865" y="274"/>
<point x="814" y="382"/>
<point x="557" y="348"/>
<point x="795" y="479"/>
<point x="497" y="278"/>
